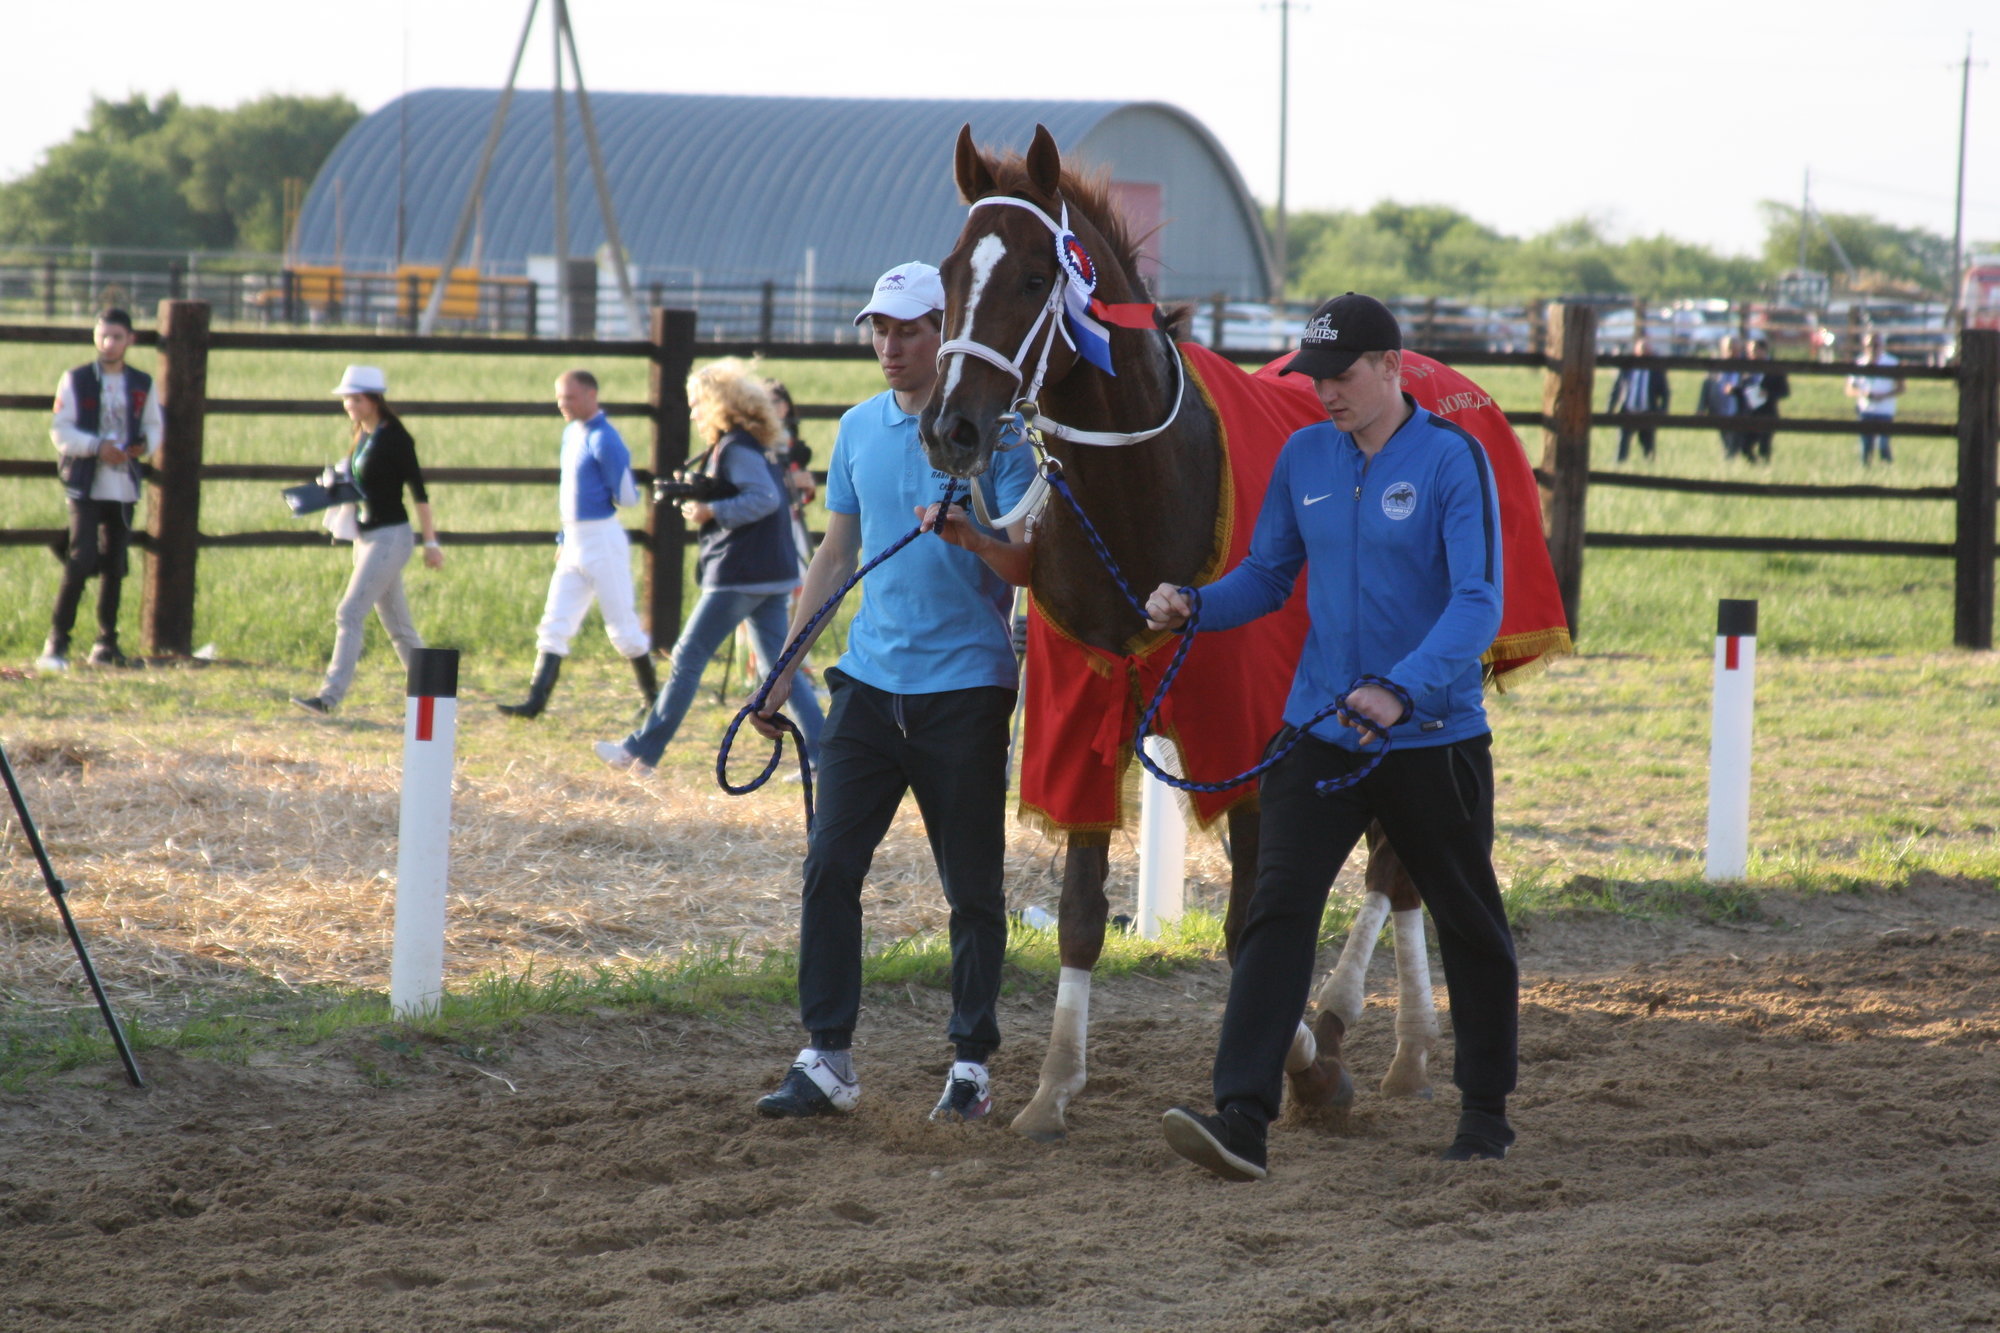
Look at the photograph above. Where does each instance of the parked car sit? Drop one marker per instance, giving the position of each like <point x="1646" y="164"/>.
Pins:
<point x="1249" y="326"/>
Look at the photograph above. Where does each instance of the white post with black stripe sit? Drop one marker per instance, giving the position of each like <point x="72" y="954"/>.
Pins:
<point x="423" y="841"/>
<point x="1729" y="740"/>
<point x="1162" y="843"/>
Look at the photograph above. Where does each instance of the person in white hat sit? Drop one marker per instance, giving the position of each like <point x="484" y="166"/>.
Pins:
<point x="922" y="699"/>
<point x="382" y="463"/>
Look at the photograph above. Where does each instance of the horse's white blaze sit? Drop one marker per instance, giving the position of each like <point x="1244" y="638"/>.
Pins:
<point x="1416" y="1015"/>
<point x="1345" y="990"/>
<point x="986" y="256"/>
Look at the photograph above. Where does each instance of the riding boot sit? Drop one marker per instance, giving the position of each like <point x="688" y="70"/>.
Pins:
<point x="547" y="667"/>
<point x="649" y="683"/>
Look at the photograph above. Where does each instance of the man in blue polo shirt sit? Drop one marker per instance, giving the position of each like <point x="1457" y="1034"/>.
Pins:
<point x="1394" y="516"/>
<point x="921" y="703"/>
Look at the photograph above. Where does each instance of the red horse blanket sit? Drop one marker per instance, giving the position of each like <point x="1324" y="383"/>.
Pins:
<point x="1083" y="704"/>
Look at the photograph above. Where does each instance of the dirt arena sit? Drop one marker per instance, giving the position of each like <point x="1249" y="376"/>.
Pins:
<point x="1787" y="1125"/>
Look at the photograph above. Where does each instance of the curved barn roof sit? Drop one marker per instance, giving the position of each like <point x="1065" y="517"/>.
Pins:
<point x="739" y="188"/>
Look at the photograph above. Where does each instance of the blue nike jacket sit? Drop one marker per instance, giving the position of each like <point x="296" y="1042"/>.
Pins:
<point x="1403" y="565"/>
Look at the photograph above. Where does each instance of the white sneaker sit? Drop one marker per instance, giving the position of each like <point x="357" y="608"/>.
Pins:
<point x="811" y="1088"/>
<point x="51" y="662"/>
<point x="615" y="754"/>
<point x="968" y="1093"/>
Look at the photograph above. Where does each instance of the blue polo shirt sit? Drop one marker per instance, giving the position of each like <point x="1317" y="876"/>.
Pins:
<point x="933" y="617"/>
<point x="1403" y="565"/>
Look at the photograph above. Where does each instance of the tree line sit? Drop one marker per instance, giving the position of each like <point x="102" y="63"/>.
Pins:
<point x="165" y="175"/>
<point x="1436" y="250"/>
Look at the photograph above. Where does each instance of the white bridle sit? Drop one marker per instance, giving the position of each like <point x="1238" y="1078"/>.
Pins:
<point x="1050" y="315"/>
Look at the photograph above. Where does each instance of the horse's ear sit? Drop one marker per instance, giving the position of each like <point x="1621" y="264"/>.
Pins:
<point x="1044" y="163"/>
<point x="974" y="176"/>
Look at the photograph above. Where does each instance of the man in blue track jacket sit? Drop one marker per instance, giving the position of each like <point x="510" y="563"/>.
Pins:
<point x="1394" y="517"/>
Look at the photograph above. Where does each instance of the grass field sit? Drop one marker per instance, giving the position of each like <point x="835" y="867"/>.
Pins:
<point x="276" y="605"/>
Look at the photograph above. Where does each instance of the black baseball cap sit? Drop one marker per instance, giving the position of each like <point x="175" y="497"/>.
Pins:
<point x="1338" y="333"/>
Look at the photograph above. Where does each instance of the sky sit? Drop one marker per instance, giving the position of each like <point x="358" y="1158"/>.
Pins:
<point x="1657" y="119"/>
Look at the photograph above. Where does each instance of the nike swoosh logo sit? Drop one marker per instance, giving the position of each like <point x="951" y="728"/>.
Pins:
<point x="1315" y="499"/>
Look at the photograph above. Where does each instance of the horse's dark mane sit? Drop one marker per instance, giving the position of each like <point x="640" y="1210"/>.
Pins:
<point x="1089" y="195"/>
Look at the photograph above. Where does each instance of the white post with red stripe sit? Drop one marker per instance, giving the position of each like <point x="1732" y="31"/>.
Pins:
<point x="1162" y="843"/>
<point x="423" y="841"/>
<point x="1729" y="740"/>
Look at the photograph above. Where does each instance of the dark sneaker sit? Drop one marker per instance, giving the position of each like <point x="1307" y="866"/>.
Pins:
<point x="107" y="655"/>
<point x="1228" y="1146"/>
<point x="968" y="1094"/>
<point x="314" y="705"/>
<point x="1482" y="1137"/>
<point x="811" y="1087"/>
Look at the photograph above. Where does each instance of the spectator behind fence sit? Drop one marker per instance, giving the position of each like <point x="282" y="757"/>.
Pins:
<point x="747" y="564"/>
<point x="593" y="557"/>
<point x="1637" y="390"/>
<point x="382" y="460"/>
<point x="1716" y="398"/>
<point x="107" y="419"/>
<point x="1874" y="397"/>
<point x="794" y="458"/>
<point x="1757" y="394"/>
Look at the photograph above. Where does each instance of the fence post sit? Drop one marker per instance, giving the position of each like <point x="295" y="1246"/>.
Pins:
<point x="1566" y="400"/>
<point x="767" y="312"/>
<point x="666" y="393"/>
<point x="1978" y="429"/>
<point x="174" y="519"/>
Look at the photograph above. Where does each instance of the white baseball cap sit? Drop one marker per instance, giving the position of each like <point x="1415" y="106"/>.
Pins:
<point x="907" y="291"/>
<point x="362" y="379"/>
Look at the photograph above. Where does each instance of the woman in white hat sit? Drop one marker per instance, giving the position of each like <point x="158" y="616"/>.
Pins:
<point x="382" y="462"/>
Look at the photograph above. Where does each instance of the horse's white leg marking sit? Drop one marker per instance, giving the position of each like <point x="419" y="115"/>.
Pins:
<point x="985" y="257"/>
<point x="1304" y="1050"/>
<point x="1416" y="1015"/>
<point x="1063" y="1067"/>
<point x="1342" y="993"/>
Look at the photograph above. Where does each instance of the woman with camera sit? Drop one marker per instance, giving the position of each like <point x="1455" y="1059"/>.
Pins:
<point x="734" y="496"/>
<point x="382" y="463"/>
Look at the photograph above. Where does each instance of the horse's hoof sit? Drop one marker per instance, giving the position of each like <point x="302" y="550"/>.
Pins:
<point x="1393" y="1086"/>
<point x="1322" y="1084"/>
<point x="1038" y="1126"/>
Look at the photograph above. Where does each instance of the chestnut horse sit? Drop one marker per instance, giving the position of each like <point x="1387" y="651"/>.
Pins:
<point x="1142" y="452"/>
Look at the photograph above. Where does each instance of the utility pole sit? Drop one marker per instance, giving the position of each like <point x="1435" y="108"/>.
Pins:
<point x="1958" y="207"/>
<point x="1284" y="125"/>
<point x="1805" y="212"/>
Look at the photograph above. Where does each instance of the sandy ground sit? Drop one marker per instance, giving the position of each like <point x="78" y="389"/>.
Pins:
<point x="1789" y="1125"/>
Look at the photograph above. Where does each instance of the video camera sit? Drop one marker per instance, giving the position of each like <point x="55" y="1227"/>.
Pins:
<point x="701" y="487"/>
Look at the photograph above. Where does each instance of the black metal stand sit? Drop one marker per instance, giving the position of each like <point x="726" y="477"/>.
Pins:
<point x="57" y="892"/>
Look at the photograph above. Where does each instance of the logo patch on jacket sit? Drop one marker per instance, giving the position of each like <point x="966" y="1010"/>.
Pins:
<point x="1400" y="500"/>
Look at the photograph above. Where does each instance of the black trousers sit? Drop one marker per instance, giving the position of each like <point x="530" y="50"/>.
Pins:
<point x="99" y="536"/>
<point x="1436" y="804"/>
<point x="950" y="750"/>
<point x="1646" y="435"/>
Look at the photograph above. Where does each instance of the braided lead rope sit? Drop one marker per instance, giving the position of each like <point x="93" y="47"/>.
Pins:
<point x="1338" y="708"/>
<point x="784" y="723"/>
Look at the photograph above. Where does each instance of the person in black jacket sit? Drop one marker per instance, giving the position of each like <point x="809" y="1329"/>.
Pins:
<point x="1637" y="390"/>
<point x="1757" y="395"/>
<point x="382" y="462"/>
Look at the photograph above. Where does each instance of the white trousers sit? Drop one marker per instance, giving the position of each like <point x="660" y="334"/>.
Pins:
<point x="594" y="561"/>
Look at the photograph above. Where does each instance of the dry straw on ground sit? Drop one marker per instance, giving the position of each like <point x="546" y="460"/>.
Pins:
<point x="265" y="857"/>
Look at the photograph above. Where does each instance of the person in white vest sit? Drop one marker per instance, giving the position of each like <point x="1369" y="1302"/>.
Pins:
<point x="107" y="421"/>
<point x="1874" y="398"/>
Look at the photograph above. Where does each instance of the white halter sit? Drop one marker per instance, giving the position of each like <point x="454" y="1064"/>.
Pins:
<point x="1051" y="315"/>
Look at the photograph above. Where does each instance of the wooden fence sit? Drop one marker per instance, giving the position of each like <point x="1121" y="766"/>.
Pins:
<point x="186" y="341"/>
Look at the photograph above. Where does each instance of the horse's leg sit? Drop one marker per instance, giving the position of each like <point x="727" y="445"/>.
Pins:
<point x="1416" y="1013"/>
<point x="1080" y="939"/>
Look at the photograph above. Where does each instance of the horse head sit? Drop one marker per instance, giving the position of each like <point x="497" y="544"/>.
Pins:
<point x="1038" y="243"/>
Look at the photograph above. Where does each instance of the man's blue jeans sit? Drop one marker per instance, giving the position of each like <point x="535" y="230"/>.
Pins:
<point x="714" y="619"/>
<point x="1870" y="442"/>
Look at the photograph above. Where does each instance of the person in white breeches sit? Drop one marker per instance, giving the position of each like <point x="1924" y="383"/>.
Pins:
<point x="593" y="561"/>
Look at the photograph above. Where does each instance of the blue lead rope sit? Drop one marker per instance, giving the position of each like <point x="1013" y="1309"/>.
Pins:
<point x="1052" y="472"/>
<point x="784" y="723"/>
